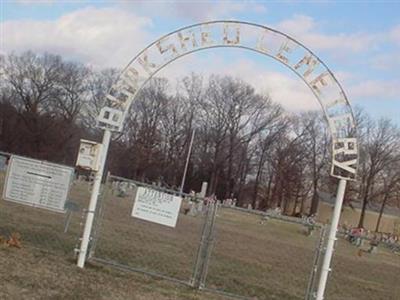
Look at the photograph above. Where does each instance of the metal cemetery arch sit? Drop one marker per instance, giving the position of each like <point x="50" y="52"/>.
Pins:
<point x="263" y="40"/>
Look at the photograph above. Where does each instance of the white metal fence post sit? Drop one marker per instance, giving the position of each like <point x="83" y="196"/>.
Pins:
<point x="331" y="240"/>
<point x="93" y="200"/>
<point x="316" y="263"/>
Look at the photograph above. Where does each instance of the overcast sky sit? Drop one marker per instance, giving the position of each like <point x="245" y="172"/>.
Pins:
<point x="360" y="42"/>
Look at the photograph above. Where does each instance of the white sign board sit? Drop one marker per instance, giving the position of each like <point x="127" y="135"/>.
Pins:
<point x="37" y="183"/>
<point x="157" y="207"/>
<point x="89" y="155"/>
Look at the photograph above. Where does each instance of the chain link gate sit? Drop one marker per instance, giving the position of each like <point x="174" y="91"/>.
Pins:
<point x="204" y="249"/>
<point x="221" y="249"/>
<point x="257" y="255"/>
<point x="236" y="252"/>
<point x="133" y="244"/>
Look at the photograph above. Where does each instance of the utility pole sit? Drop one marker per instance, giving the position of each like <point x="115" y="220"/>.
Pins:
<point x="187" y="162"/>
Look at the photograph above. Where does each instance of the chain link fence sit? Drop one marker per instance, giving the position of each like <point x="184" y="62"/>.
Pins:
<point x="131" y="243"/>
<point x="236" y="252"/>
<point x="52" y="232"/>
<point x="226" y="250"/>
<point x="262" y="256"/>
<point x="364" y="269"/>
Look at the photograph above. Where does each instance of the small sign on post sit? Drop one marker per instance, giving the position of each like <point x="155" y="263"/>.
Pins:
<point x="157" y="207"/>
<point x="89" y="155"/>
<point x="37" y="183"/>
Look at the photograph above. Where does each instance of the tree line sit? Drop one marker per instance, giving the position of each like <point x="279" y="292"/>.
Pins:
<point x="246" y="146"/>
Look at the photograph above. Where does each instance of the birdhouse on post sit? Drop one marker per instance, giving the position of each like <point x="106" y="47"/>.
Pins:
<point x="89" y="155"/>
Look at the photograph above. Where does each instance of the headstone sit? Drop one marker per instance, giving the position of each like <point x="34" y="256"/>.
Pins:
<point x="278" y="210"/>
<point x="3" y="163"/>
<point x="122" y="189"/>
<point x="131" y="186"/>
<point x="203" y="189"/>
<point x="193" y="208"/>
<point x="228" y="202"/>
<point x="200" y="206"/>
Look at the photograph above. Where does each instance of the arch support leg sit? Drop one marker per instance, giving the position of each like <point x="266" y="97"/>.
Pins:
<point x="93" y="200"/>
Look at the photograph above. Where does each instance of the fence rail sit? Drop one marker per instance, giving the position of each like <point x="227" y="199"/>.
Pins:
<point x="199" y="251"/>
<point x="43" y="229"/>
<point x="236" y="252"/>
<point x="121" y="239"/>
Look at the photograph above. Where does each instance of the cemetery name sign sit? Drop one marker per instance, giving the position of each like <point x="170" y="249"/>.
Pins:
<point x="261" y="39"/>
<point x="156" y="207"/>
<point x="37" y="183"/>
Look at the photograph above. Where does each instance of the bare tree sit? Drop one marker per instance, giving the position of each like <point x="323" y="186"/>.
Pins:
<point x="98" y="84"/>
<point x="33" y="79"/>
<point x="273" y="133"/>
<point x="317" y="147"/>
<point x="388" y="192"/>
<point x="380" y="142"/>
<point x="246" y="145"/>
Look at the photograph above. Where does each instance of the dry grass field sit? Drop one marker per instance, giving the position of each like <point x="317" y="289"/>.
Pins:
<point x="261" y="261"/>
<point x="275" y="259"/>
<point x="351" y="217"/>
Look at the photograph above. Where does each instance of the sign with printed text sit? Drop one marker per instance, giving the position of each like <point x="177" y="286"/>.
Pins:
<point x="244" y="35"/>
<point x="157" y="207"/>
<point x="37" y="183"/>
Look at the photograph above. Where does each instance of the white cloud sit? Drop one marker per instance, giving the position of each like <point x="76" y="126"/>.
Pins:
<point x="111" y="37"/>
<point x="395" y="35"/>
<point x="386" y="61"/>
<point x="198" y="11"/>
<point x="36" y="2"/>
<point x="283" y="87"/>
<point x="299" y="24"/>
<point x="344" y="76"/>
<point x="371" y="51"/>
<point x="376" y="90"/>
<point x="305" y="29"/>
<point x="203" y="11"/>
<point x="103" y="37"/>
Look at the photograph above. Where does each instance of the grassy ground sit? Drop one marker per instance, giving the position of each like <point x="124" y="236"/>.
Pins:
<point x="261" y="261"/>
<point x="30" y="273"/>
<point x="275" y="260"/>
